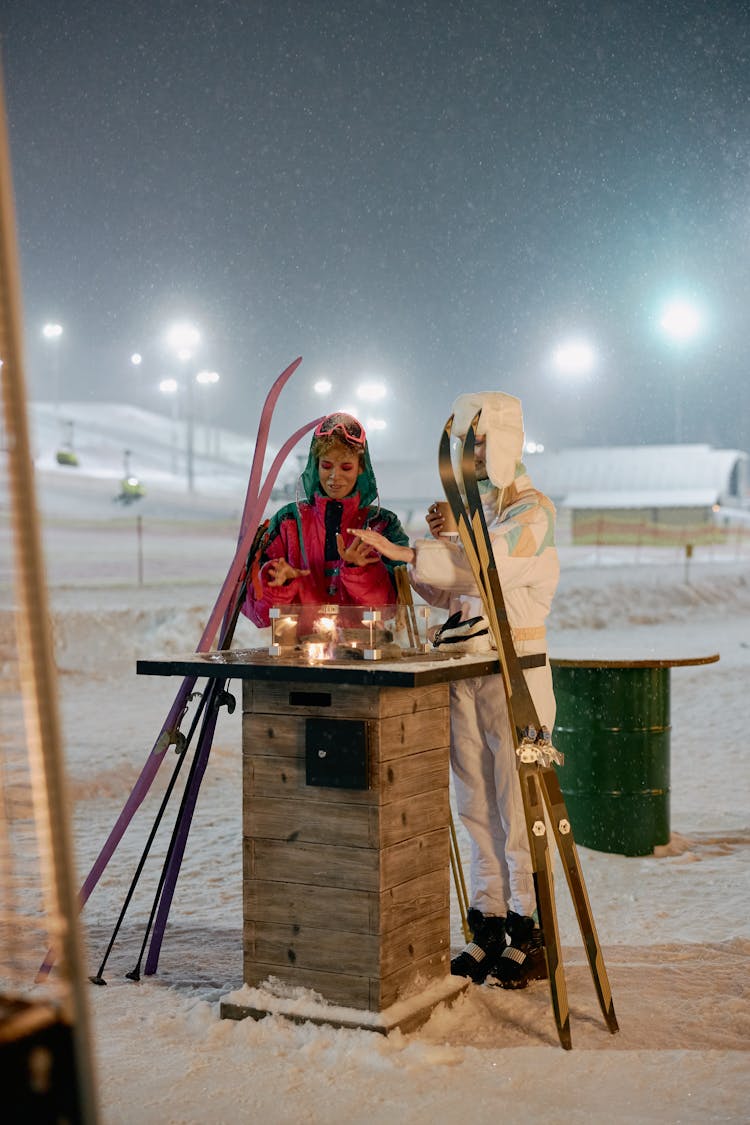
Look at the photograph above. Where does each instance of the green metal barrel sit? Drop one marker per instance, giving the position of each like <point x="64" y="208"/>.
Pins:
<point x="613" y="727"/>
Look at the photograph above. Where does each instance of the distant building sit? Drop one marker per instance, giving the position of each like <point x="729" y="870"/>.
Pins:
<point x="646" y="494"/>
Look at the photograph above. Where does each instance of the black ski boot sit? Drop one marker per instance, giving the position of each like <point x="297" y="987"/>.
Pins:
<point x="523" y="958"/>
<point x="481" y="955"/>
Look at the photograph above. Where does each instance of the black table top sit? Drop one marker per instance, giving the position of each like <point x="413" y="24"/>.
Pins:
<point x="416" y="670"/>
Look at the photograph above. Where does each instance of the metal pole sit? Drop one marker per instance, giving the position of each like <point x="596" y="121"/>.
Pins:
<point x="56" y="373"/>
<point x="139" y="526"/>
<point x="190" y="435"/>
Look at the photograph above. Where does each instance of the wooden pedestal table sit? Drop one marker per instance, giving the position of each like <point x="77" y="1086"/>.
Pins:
<point x="346" y="882"/>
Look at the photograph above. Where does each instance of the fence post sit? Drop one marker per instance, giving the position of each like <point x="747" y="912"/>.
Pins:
<point x="688" y="557"/>
<point x="139" y="527"/>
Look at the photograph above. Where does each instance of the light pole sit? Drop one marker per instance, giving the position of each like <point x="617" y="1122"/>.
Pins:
<point x="170" y="387"/>
<point x="208" y="379"/>
<point x="370" y="392"/>
<point x="52" y="332"/>
<point x="183" y="338"/>
<point x="572" y="361"/>
<point x="681" y="321"/>
<point x="136" y="362"/>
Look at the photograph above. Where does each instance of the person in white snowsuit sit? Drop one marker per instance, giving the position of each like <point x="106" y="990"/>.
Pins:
<point x="521" y="524"/>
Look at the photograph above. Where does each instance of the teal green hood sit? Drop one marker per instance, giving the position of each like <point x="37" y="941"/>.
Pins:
<point x="366" y="484"/>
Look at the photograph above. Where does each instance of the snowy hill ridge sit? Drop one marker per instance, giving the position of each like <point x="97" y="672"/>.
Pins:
<point x="112" y="439"/>
<point x="104" y="435"/>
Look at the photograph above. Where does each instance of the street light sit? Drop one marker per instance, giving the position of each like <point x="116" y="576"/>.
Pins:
<point x="681" y="321"/>
<point x="575" y="357"/>
<point x="183" y="338"/>
<point x="371" y="391"/>
<point x="52" y="332"/>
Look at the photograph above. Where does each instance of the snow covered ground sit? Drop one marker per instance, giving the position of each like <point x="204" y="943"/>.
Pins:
<point x="675" y="926"/>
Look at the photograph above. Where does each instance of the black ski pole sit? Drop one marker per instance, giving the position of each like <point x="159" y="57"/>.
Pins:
<point x="216" y="696"/>
<point x="180" y="749"/>
<point x="190" y="796"/>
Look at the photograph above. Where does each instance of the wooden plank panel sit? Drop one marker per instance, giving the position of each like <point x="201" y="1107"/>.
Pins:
<point x="309" y="820"/>
<point x="322" y="865"/>
<point x="409" y="980"/>
<point x="338" y="988"/>
<point x="395" y="780"/>
<point x="343" y="909"/>
<point x="286" y="777"/>
<point x="271" y="697"/>
<point x="419" y="854"/>
<point x="405" y="903"/>
<point x="401" y="701"/>
<point x="352" y="701"/>
<point x="369" y="993"/>
<point x="335" y="865"/>
<point x="277" y="736"/>
<point x="411" y="733"/>
<point x="412" y="816"/>
<point x="424" y="937"/>
<point x="301" y="946"/>
<point x="400" y="777"/>
<point x="412" y="773"/>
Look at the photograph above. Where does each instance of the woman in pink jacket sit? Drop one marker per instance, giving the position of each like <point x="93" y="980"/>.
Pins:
<point x="310" y="556"/>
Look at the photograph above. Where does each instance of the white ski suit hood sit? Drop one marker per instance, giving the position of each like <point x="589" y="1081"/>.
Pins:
<point x="500" y="423"/>
<point x="521" y="525"/>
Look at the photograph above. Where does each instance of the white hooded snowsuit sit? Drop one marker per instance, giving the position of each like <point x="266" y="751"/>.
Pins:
<point x="521" y="524"/>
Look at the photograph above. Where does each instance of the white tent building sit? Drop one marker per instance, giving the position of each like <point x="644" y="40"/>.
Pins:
<point x="657" y="493"/>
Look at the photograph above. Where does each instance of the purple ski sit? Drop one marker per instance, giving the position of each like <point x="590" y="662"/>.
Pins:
<point x="203" y="749"/>
<point x="251" y="517"/>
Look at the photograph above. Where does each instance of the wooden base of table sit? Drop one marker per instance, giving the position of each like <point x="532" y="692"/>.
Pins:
<point x="406" y="1015"/>
<point x="346" y="890"/>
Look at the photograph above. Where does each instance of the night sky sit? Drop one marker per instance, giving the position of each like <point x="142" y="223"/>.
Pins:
<point x="434" y="195"/>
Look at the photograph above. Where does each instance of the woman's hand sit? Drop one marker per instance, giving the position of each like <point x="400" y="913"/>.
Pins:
<point x="383" y="545"/>
<point x="357" y="553"/>
<point x="279" y="572"/>
<point x="435" y="519"/>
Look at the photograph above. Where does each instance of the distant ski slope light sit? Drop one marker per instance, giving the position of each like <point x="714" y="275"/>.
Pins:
<point x="371" y="391"/>
<point x="574" y="357"/>
<point x="681" y="320"/>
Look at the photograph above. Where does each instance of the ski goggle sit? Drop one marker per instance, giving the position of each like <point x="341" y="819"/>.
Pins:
<point x="349" y="428"/>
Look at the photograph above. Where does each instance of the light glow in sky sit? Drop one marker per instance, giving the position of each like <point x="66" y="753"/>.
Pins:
<point x="682" y="320"/>
<point x="574" y="357"/>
